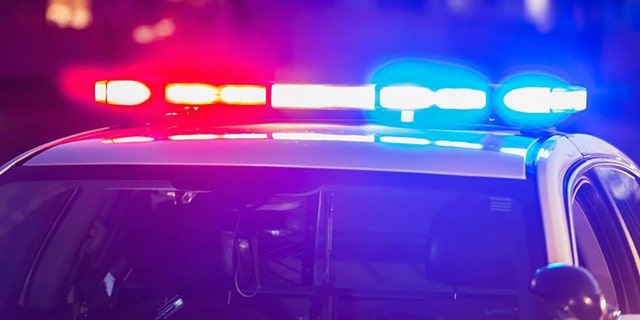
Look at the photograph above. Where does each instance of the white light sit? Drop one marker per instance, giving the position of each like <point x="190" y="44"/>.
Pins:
<point x="244" y="136"/>
<point x="406" y="97"/>
<point x="243" y="94"/>
<point x="75" y="14"/>
<point x="458" y="144"/>
<point x="546" y="99"/>
<point x="405" y="140"/>
<point x="539" y="12"/>
<point x="322" y="96"/>
<point x="191" y="93"/>
<point x="460" y="98"/>
<point x="122" y="92"/>
<point x="187" y="137"/>
<point x="572" y="99"/>
<point x="322" y="137"/>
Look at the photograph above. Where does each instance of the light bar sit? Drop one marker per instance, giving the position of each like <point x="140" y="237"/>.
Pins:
<point x="243" y="94"/>
<point x="121" y="92"/>
<point x="314" y="96"/>
<point x="191" y="93"/>
<point x="546" y="99"/>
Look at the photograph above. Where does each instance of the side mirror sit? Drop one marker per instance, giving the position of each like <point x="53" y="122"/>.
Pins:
<point x="571" y="293"/>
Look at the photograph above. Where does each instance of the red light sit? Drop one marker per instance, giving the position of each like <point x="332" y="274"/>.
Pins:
<point x="122" y="92"/>
<point x="191" y="93"/>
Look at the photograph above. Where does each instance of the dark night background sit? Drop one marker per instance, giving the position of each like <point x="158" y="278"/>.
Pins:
<point x="48" y="66"/>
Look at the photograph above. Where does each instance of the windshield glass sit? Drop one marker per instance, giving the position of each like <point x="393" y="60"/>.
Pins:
<point x="149" y="242"/>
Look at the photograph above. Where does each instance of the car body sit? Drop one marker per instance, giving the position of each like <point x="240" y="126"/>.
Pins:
<point x="317" y="220"/>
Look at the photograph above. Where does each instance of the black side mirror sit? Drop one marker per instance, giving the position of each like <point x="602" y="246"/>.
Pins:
<point x="572" y="293"/>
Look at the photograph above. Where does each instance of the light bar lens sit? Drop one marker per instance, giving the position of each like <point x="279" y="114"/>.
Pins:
<point x="243" y="94"/>
<point x="191" y="93"/>
<point x="546" y="99"/>
<point x="460" y="99"/>
<point x="406" y="97"/>
<point x="415" y="98"/>
<point x="315" y="96"/>
<point x="121" y="92"/>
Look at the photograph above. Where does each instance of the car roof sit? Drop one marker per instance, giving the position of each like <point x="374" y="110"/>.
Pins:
<point x="500" y="154"/>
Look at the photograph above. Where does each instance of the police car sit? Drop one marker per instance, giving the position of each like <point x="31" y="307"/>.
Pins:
<point x="253" y="201"/>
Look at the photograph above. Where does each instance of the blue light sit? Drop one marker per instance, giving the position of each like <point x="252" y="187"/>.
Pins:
<point x="555" y="265"/>
<point x="546" y="99"/>
<point x="431" y="93"/>
<point x="461" y="99"/>
<point x="538" y="100"/>
<point x="409" y="97"/>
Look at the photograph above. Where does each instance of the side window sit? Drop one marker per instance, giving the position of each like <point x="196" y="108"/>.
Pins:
<point x="623" y="190"/>
<point x="601" y="244"/>
<point x="590" y="251"/>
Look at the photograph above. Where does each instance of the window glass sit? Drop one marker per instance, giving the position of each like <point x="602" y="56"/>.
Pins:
<point x="602" y="244"/>
<point x="27" y="209"/>
<point x="623" y="189"/>
<point x="590" y="253"/>
<point x="133" y="242"/>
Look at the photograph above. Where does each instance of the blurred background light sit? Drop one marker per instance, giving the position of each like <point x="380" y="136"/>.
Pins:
<point x="539" y="12"/>
<point x="145" y="34"/>
<point x="74" y="14"/>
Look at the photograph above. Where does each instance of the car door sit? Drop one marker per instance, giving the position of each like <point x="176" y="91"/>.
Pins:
<point x="602" y="240"/>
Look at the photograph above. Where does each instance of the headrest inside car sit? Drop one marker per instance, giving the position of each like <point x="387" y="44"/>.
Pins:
<point x="471" y="245"/>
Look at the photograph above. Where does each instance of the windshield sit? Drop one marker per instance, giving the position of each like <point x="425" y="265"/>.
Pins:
<point x="263" y="243"/>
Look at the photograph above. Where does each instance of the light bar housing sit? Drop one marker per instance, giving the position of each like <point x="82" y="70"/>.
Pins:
<point x="523" y="101"/>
